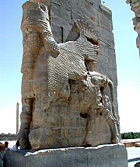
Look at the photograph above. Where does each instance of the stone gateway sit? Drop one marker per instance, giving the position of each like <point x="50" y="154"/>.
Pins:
<point x="69" y="81"/>
<point x="69" y="87"/>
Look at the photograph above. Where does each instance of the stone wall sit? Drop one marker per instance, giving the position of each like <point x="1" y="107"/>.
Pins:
<point x="135" y="7"/>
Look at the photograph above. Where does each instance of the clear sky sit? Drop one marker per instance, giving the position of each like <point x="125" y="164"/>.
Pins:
<point x="128" y="64"/>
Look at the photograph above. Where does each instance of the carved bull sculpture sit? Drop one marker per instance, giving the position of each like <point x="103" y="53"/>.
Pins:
<point x="61" y="97"/>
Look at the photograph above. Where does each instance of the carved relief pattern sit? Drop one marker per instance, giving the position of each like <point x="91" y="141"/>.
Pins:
<point x="65" y="102"/>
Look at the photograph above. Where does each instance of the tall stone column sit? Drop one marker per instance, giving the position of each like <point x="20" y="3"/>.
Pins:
<point x="17" y="118"/>
<point x="135" y="7"/>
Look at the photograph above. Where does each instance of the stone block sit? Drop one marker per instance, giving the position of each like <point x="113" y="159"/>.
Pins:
<point x="64" y="4"/>
<point x="83" y="10"/>
<point x="101" y="156"/>
<point x="104" y="22"/>
<point x="96" y="3"/>
<point x="106" y="37"/>
<point x="61" y="12"/>
<point x="106" y="11"/>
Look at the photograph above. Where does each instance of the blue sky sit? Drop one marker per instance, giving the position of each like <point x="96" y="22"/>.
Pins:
<point x="128" y="64"/>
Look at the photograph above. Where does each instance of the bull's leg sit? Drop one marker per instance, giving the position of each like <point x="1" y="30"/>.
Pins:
<point x="89" y="129"/>
<point x="93" y="111"/>
<point x="109" y="112"/>
<point x="115" y="137"/>
<point x="88" y="141"/>
<point x="31" y="46"/>
<point x="26" y="118"/>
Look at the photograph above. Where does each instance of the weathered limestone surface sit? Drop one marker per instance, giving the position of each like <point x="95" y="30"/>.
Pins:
<point x="67" y="100"/>
<point x="135" y="7"/>
<point x="101" y="156"/>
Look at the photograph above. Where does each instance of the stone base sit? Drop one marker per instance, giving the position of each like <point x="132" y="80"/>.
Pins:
<point x="102" y="156"/>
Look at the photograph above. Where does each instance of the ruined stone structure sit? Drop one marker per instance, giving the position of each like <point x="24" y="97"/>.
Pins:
<point x="69" y="79"/>
<point x="135" y="7"/>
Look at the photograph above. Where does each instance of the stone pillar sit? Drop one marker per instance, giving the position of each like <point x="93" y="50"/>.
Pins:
<point x="17" y="118"/>
<point x="135" y="7"/>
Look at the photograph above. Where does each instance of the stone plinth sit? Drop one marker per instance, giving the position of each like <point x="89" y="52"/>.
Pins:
<point x="102" y="156"/>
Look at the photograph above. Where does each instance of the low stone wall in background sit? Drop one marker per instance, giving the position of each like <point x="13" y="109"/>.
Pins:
<point x="131" y="142"/>
<point x="7" y="137"/>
